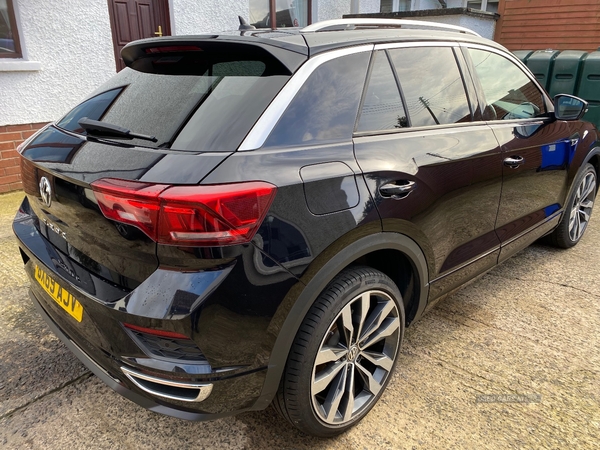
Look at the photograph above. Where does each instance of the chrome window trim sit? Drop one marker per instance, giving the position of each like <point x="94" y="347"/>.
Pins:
<point x="499" y="123"/>
<point x="520" y="65"/>
<point x="446" y="129"/>
<point x="269" y="118"/>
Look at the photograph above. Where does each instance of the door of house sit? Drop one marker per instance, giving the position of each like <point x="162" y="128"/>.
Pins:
<point x="137" y="19"/>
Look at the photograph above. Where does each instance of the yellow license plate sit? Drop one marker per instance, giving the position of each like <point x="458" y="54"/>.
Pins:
<point x="65" y="300"/>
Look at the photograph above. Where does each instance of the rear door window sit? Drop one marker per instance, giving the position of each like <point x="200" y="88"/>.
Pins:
<point x="432" y="85"/>
<point x="325" y="108"/>
<point x="382" y="107"/>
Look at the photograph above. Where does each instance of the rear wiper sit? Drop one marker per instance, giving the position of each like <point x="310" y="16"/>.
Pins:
<point x="108" y="130"/>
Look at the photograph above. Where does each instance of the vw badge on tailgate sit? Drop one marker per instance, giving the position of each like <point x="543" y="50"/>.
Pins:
<point x="46" y="191"/>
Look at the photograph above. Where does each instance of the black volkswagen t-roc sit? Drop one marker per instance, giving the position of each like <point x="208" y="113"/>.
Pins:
<point x="250" y="218"/>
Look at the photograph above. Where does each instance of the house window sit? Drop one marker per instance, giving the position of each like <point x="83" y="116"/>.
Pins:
<point x="484" y="5"/>
<point x="10" y="47"/>
<point x="280" y="13"/>
<point x="394" y="5"/>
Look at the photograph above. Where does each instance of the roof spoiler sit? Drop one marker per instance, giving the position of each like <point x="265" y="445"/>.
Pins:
<point x="142" y="55"/>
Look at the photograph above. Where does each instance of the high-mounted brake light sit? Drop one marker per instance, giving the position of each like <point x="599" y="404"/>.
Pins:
<point x="207" y="215"/>
<point x="173" y="49"/>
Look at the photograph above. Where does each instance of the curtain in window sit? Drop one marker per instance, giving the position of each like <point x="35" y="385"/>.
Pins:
<point x="299" y="13"/>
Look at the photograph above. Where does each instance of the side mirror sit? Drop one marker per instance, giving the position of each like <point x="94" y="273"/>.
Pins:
<point x="569" y="107"/>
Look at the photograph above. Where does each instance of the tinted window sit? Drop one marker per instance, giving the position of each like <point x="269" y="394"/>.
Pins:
<point x="93" y="108"/>
<point x="326" y="106"/>
<point x="432" y="85"/>
<point x="509" y="93"/>
<point x="204" y="102"/>
<point x="382" y="106"/>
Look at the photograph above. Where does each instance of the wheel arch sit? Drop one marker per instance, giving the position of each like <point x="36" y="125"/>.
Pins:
<point x="315" y="279"/>
<point x="593" y="158"/>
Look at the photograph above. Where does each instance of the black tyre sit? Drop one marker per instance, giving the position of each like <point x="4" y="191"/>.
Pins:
<point x="344" y="353"/>
<point x="578" y="210"/>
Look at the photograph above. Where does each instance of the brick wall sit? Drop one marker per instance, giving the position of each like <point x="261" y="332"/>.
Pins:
<point x="10" y="137"/>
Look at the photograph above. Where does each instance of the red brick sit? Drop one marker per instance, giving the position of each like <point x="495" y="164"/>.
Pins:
<point x="9" y="162"/>
<point x="9" y="154"/>
<point x="2" y="173"/>
<point x="2" y="129"/>
<point x="37" y="126"/>
<point x="26" y="134"/>
<point x="16" y="186"/>
<point x="16" y="170"/>
<point x="10" y="136"/>
<point x="10" y="179"/>
<point x="25" y="127"/>
<point x="4" y="188"/>
<point x="10" y="145"/>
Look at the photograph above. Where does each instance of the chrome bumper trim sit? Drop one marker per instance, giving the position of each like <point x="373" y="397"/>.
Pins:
<point x="197" y="391"/>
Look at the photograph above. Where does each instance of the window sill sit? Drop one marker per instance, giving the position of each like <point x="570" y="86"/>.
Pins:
<point x="19" y="65"/>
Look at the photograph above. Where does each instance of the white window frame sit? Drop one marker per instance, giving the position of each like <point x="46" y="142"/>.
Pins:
<point x="484" y="4"/>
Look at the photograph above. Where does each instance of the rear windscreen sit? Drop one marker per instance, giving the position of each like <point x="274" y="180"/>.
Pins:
<point x="209" y="102"/>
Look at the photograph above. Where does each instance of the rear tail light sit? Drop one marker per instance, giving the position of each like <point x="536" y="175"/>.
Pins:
<point x="187" y="215"/>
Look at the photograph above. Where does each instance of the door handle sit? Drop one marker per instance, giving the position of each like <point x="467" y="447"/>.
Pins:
<point x="513" y="161"/>
<point x="397" y="189"/>
<point x="159" y="33"/>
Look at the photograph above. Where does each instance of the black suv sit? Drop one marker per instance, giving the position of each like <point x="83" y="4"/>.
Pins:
<point x="250" y="218"/>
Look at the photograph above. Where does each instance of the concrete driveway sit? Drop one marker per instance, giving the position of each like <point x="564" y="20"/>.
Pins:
<point x="510" y="361"/>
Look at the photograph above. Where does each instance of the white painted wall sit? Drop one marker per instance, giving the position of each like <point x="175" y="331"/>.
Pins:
<point x="73" y="45"/>
<point x="368" y="6"/>
<point x="201" y="16"/>
<point x="335" y="9"/>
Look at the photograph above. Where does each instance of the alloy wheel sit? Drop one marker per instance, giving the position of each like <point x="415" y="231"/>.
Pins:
<point x="355" y="357"/>
<point x="582" y="206"/>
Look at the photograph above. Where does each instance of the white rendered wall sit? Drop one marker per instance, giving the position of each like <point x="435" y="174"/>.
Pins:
<point x="72" y="42"/>
<point x="368" y="6"/>
<point x="202" y="16"/>
<point x="335" y="9"/>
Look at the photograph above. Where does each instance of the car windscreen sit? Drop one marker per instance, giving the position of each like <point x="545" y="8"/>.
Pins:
<point x="209" y="106"/>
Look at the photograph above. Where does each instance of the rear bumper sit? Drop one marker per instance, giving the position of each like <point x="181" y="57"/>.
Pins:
<point x="115" y="384"/>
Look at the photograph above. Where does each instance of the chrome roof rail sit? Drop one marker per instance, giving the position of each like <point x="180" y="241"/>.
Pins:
<point x="350" y="24"/>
